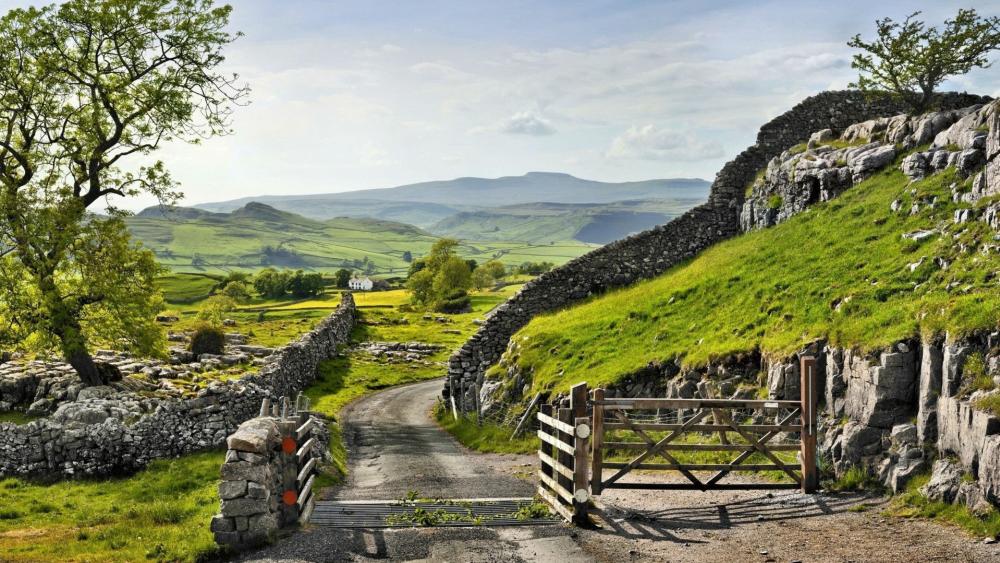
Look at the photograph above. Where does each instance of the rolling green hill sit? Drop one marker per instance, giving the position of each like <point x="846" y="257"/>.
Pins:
<point x="542" y="222"/>
<point x="257" y="235"/>
<point x="841" y="270"/>
<point x="427" y="203"/>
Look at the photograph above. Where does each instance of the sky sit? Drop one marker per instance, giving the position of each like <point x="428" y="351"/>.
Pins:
<point x="365" y="94"/>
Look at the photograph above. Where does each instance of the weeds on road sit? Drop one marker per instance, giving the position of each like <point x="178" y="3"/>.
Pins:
<point x="426" y="515"/>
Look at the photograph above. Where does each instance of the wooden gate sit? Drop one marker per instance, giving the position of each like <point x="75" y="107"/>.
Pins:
<point x="745" y="429"/>
<point x="621" y="440"/>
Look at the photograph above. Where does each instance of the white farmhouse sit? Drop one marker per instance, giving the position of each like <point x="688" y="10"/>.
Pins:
<point x="361" y="284"/>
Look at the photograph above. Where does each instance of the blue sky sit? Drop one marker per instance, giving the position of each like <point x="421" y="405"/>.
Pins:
<point x="351" y="95"/>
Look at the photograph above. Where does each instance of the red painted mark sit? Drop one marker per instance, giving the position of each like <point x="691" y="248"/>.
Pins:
<point x="290" y="498"/>
<point x="288" y="445"/>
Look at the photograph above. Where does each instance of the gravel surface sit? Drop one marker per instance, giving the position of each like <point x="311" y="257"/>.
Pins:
<point x="757" y="526"/>
<point x="394" y="447"/>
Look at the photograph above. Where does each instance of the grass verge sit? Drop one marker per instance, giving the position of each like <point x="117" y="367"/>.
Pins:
<point x="913" y="504"/>
<point x="159" y="514"/>
<point x="488" y="438"/>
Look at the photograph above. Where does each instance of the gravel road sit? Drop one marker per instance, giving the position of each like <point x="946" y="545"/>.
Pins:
<point x="394" y="447"/>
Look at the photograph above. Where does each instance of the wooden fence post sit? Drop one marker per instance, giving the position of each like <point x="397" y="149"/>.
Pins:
<point x="581" y="494"/>
<point x="597" y="444"/>
<point x="545" y="447"/>
<point x="810" y="476"/>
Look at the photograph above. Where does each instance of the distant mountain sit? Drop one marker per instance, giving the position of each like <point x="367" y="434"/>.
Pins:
<point x="428" y="203"/>
<point x="257" y="235"/>
<point x="541" y="222"/>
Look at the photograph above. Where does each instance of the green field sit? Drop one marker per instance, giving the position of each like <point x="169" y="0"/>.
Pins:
<point x="543" y="223"/>
<point x="842" y="270"/>
<point x="159" y="514"/>
<point x="258" y="236"/>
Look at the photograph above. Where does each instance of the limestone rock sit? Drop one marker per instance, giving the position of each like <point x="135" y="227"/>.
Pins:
<point x="930" y="390"/>
<point x="822" y="136"/>
<point x="903" y="435"/>
<point x="254" y="436"/>
<point x="946" y="478"/>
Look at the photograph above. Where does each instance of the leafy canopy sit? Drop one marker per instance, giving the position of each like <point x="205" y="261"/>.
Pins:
<point x="909" y="59"/>
<point x="440" y="277"/>
<point x="89" y="89"/>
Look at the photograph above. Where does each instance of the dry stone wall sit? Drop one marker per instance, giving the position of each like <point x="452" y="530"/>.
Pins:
<point x="110" y="432"/>
<point x="652" y="252"/>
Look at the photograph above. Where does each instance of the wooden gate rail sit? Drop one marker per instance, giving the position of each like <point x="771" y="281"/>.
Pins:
<point x="563" y="455"/>
<point x="610" y="415"/>
<point x="564" y="434"/>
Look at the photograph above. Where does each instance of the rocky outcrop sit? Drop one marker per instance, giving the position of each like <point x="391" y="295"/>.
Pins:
<point x="109" y="431"/>
<point x="795" y="180"/>
<point x="652" y="252"/>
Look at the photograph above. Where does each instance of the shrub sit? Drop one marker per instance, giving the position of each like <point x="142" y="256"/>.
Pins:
<point x="774" y="202"/>
<point x="455" y="302"/>
<point x="214" y="308"/>
<point x="208" y="339"/>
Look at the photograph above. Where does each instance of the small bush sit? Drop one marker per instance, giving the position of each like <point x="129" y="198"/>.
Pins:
<point x="856" y="478"/>
<point x="9" y="514"/>
<point x="774" y="202"/>
<point x="455" y="302"/>
<point x="208" y="339"/>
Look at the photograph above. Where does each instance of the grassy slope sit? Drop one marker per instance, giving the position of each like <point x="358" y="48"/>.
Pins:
<point x="161" y="513"/>
<point x="545" y="222"/>
<point x="839" y="270"/>
<point x="230" y="242"/>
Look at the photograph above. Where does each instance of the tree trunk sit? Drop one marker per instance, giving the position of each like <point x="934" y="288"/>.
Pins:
<point x="86" y="368"/>
<point x="74" y="347"/>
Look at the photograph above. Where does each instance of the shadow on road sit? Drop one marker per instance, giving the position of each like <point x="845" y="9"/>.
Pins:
<point x="620" y="520"/>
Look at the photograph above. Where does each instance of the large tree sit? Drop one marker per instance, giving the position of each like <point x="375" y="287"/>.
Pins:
<point x="88" y="90"/>
<point x="910" y="60"/>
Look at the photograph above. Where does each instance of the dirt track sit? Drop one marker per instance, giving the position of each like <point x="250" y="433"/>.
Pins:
<point x="394" y="448"/>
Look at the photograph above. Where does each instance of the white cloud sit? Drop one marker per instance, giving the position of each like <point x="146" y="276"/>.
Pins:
<point x="438" y="71"/>
<point x="527" y="123"/>
<point x="652" y="143"/>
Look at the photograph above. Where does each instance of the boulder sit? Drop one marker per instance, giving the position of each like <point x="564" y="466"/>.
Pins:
<point x="903" y="435"/>
<point x="915" y="166"/>
<point x="856" y="442"/>
<point x="822" y="136"/>
<point x="969" y="161"/>
<point x="946" y="478"/>
<point x="903" y="470"/>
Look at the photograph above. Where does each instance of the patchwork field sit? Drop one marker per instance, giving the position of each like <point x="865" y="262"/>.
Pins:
<point x="257" y="236"/>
